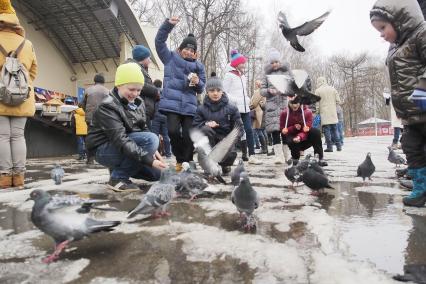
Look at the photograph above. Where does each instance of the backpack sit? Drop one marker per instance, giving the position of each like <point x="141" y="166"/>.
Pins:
<point x="14" y="81"/>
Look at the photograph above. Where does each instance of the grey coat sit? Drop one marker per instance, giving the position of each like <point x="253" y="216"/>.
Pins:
<point x="274" y="103"/>
<point x="94" y="96"/>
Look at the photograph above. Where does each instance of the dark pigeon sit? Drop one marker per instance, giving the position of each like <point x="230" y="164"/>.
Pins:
<point x="245" y="198"/>
<point x="63" y="218"/>
<point x="366" y="168"/>
<point x="303" y="30"/>
<point x="313" y="164"/>
<point x="315" y="181"/>
<point x="415" y="273"/>
<point x="235" y="174"/>
<point x="292" y="173"/>
<point x="396" y="159"/>
<point x="57" y="174"/>
<point x="191" y="182"/>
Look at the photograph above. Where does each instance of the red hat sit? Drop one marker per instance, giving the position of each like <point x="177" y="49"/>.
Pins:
<point x="237" y="58"/>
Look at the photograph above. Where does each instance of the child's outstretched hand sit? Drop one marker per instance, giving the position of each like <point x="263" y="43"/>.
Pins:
<point x="174" y="20"/>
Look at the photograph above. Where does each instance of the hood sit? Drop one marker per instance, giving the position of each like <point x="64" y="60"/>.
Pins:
<point x="10" y="22"/>
<point x="215" y="106"/>
<point x="321" y="81"/>
<point x="229" y="68"/>
<point x="283" y="68"/>
<point x="404" y="15"/>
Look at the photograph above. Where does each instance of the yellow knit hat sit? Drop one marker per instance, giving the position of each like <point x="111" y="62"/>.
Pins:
<point x="6" y="7"/>
<point x="129" y="73"/>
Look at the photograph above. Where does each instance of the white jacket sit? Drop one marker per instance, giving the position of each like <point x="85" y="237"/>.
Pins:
<point x="236" y="88"/>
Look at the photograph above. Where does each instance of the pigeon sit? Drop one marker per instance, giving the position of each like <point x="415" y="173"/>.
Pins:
<point x="313" y="164"/>
<point x="366" y="168"/>
<point x="396" y="159"/>
<point x="415" y="273"/>
<point x="292" y="173"/>
<point x="235" y="174"/>
<point x="303" y="30"/>
<point x="158" y="197"/>
<point x="63" y="218"/>
<point x="208" y="158"/>
<point x="57" y="173"/>
<point x="191" y="181"/>
<point x="315" y="181"/>
<point x="245" y="198"/>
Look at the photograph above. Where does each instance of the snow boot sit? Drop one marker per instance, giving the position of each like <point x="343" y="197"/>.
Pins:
<point x="417" y="198"/>
<point x="286" y="152"/>
<point x="18" y="179"/>
<point x="5" y="180"/>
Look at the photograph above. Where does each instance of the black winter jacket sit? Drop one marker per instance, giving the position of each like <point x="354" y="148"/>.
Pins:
<point x="113" y="121"/>
<point x="224" y="113"/>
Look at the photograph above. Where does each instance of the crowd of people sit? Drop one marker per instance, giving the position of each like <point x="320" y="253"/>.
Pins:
<point x="126" y="125"/>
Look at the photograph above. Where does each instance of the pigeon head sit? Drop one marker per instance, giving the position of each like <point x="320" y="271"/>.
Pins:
<point x="240" y="162"/>
<point x="244" y="177"/>
<point x="39" y="194"/>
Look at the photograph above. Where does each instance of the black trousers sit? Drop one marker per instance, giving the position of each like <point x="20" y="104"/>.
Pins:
<point x="229" y="159"/>
<point x="313" y="140"/>
<point x="276" y="139"/>
<point x="178" y="127"/>
<point x="413" y="144"/>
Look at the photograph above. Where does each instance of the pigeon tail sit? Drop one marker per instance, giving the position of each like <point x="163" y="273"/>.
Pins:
<point x="96" y="226"/>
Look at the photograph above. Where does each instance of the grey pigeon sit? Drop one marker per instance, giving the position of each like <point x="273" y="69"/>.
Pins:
<point x="63" y="218"/>
<point x="235" y="174"/>
<point x="395" y="158"/>
<point x="292" y="173"/>
<point x="366" y="168"/>
<point x="158" y="197"/>
<point x="245" y="198"/>
<point x="313" y="164"/>
<point x="57" y="174"/>
<point x="307" y="28"/>
<point x="315" y="181"/>
<point x="209" y="158"/>
<point x="415" y="273"/>
<point x="191" y="182"/>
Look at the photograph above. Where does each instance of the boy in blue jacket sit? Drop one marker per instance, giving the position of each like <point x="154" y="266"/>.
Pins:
<point x="184" y="78"/>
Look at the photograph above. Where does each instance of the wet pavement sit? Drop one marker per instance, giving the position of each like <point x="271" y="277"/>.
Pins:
<point x="354" y="233"/>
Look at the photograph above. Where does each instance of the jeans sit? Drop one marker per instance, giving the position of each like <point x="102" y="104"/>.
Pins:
<point x="178" y="128"/>
<point x="81" y="146"/>
<point x="331" y="135"/>
<point x="123" y="167"/>
<point x="396" y="133"/>
<point x="340" y="131"/>
<point x="259" y="133"/>
<point x="159" y="127"/>
<point x="249" y="131"/>
<point x="13" y="150"/>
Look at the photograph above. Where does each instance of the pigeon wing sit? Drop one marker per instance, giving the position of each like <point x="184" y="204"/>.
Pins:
<point x="308" y="27"/>
<point x="222" y="148"/>
<point x="283" y="83"/>
<point x="200" y="140"/>
<point x="282" y="20"/>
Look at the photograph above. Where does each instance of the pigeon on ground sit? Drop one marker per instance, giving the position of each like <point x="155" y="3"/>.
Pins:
<point x="158" y="197"/>
<point x="307" y="28"/>
<point x="313" y="164"/>
<point x="63" y="218"/>
<point x="235" y="174"/>
<point x="208" y="158"/>
<point x="245" y="198"/>
<point x="191" y="182"/>
<point x="315" y="181"/>
<point x="366" y="168"/>
<point x="292" y="173"/>
<point x="415" y="273"/>
<point x="396" y="159"/>
<point x="57" y="173"/>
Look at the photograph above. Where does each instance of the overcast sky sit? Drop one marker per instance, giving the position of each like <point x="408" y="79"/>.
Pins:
<point x="347" y="29"/>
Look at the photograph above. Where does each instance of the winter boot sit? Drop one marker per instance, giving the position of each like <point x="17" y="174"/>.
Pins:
<point x="279" y="155"/>
<point x="5" y="180"/>
<point x="286" y="152"/>
<point x="329" y="148"/>
<point x="243" y="144"/>
<point x="264" y="145"/>
<point x="18" y="179"/>
<point x="417" y="198"/>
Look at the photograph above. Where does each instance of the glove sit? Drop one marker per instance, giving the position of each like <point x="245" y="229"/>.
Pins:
<point x="418" y="97"/>
<point x="208" y="131"/>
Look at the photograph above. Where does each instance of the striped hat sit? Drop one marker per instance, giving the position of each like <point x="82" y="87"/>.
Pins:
<point x="237" y="58"/>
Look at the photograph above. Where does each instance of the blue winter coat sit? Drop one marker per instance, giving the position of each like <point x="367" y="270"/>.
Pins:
<point x="224" y="113"/>
<point x="178" y="96"/>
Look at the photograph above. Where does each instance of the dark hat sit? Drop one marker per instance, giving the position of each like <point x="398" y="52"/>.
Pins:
<point x="189" y="42"/>
<point x="99" y="78"/>
<point x="140" y="52"/>
<point x="214" y="82"/>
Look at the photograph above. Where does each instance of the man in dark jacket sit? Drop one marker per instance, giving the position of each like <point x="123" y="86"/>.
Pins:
<point x="216" y="117"/>
<point x="150" y="94"/>
<point x="118" y="135"/>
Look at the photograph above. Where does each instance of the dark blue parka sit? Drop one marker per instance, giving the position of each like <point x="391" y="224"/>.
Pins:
<point x="224" y="113"/>
<point x="178" y="96"/>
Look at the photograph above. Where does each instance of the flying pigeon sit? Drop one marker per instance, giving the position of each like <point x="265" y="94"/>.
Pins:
<point x="315" y="181"/>
<point x="307" y="28"/>
<point x="191" y="181"/>
<point x="245" y="198"/>
<point x="396" y="159"/>
<point x="208" y="158"/>
<point x="366" y="168"/>
<point x="63" y="218"/>
<point x="57" y="173"/>
<point x="158" y="197"/>
<point x="235" y="174"/>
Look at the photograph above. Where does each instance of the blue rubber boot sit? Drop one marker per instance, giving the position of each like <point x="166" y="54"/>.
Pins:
<point x="417" y="198"/>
